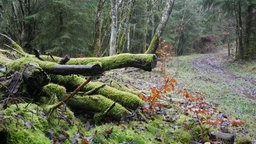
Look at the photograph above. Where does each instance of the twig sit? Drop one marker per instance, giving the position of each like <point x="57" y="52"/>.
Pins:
<point x="95" y="89"/>
<point x="49" y="54"/>
<point x="65" y="59"/>
<point x="142" y="116"/>
<point x="5" y="36"/>
<point x="18" y="47"/>
<point x="70" y="96"/>
<point x="37" y="54"/>
<point x="108" y="110"/>
<point x="14" y="49"/>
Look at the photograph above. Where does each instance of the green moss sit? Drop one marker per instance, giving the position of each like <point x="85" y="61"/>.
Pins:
<point x="18" y="47"/>
<point x="19" y="119"/>
<point x="18" y="131"/>
<point x="97" y="103"/>
<point x="243" y="140"/>
<point x="201" y="132"/>
<point x="129" y="135"/>
<point x="54" y="89"/>
<point x="53" y="93"/>
<point x="19" y="63"/>
<point x="182" y="136"/>
<point x="120" y="87"/>
<point x="142" y="61"/>
<point x="134" y="132"/>
<point x="116" y="61"/>
<point x="153" y="43"/>
<point x="183" y="119"/>
<point x="28" y="136"/>
<point x="4" y="59"/>
<point x="126" y="99"/>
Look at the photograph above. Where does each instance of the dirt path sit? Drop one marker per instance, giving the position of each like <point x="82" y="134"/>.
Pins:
<point x="215" y="64"/>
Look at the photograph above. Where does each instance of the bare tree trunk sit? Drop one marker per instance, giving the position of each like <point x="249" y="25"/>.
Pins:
<point x="237" y="27"/>
<point x="249" y="31"/>
<point x="125" y="10"/>
<point x="240" y="31"/>
<point x="97" y="36"/>
<point x="128" y="39"/>
<point x="146" y="27"/>
<point x="153" y="17"/>
<point x="161" y="26"/>
<point x="112" y="49"/>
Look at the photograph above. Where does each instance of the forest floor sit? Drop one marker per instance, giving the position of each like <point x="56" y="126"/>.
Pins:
<point x="229" y="85"/>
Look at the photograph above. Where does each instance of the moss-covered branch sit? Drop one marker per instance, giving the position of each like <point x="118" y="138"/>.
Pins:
<point x="54" y="68"/>
<point x="143" y="61"/>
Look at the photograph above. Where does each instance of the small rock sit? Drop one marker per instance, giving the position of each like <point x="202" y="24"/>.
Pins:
<point x="227" y="137"/>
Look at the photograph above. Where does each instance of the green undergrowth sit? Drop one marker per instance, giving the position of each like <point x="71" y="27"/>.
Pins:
<point x="227" y="93"/>
<point x="28" y="123"/>
<point x="152" y="132"/>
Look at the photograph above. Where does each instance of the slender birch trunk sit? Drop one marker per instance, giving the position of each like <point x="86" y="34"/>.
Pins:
<point x="97" y="36"/>
<point x="112" y="43"/>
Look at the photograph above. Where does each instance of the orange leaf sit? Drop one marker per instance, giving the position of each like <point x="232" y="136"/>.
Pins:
<point x="237" y="123"/>
<point x="167" y="88"/>
<point x="172" y="85"/>
<point x="154" y="91"/>
<point x="85" y="141"/>
<point x="173" y="80"/>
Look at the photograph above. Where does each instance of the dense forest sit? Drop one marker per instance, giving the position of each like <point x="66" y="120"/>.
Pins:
<point x="127" y="71"/>
<point x="83" y="27"/>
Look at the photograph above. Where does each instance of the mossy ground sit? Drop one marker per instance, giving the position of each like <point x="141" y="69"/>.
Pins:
<point x="28" y="123"/>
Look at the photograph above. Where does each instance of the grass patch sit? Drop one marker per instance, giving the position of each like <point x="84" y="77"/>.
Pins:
<point x="226" y="92"/>
<point x="243" y="68"/>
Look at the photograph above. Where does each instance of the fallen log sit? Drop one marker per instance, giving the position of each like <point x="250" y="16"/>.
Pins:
<point x="88" y="104"/>
<point x="94" y="96"/>
<point x="126" y="99"/>
<point x="27" y="79"/>
<point x="55" y="68"/>
<point x="85" y="70"/>
<point x="143" y="61"/>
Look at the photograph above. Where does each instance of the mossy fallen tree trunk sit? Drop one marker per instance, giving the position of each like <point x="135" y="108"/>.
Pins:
<point x="55" y="68"/>
<point x="37" y="71"/>
<point x="87" y="103"/>
<point x="126" y="99"/>
<point x="143" y="61"/>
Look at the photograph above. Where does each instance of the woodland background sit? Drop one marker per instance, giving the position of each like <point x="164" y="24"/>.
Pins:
<point x="186" y="98"/>
<point x="82" y="27"/>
